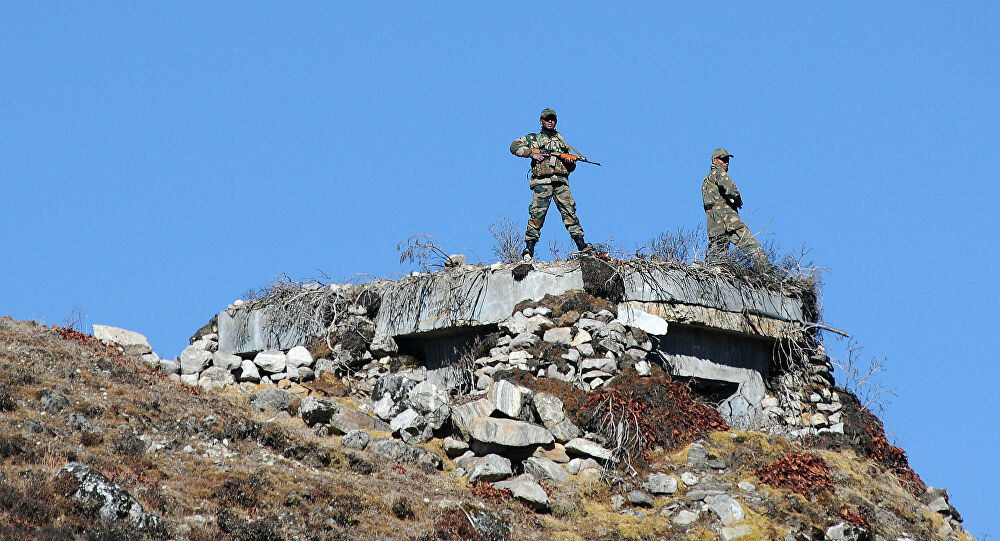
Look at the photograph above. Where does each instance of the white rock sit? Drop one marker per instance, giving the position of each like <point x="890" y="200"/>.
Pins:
<point x="194" y="360"/>
<point x="582" y="337"/>
<point x="729" y="511"/>
<point x="271" y="360"/>
<point x="689" y="479"/>
<point x="544" y="470"/>
<point x="661" y="483"/>
<point x="684" y="517"/>
<point x="643" y="368"/>
<point x="490" y="468"/>
<point x="526" y="490"/>
<point x="249" y="372"/>
<point x="226" y="361"/>
<point x="132" y="342"/>
<point x="508" y="432"/>
<point x="559" y="335"/>
<point x="633" y="317"/>
<point x="585" y="447"/>
<point x="509" y="398"/>
<point x="299" y="356"/>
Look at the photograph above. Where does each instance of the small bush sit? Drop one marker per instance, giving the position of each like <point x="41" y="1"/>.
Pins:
<point x="401" y="508"/>
<point x="7" y="400"/>
<point x="17" y="448"/>
<point x="128" y="444"/>
<point x="243" y="492"/>
<point x="91" y="438"/>
<point x="452" y="524"/>
<point x="245" y="529"/>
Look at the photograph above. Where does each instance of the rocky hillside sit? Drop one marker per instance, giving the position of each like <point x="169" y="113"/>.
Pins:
<point x="561" y="421"/>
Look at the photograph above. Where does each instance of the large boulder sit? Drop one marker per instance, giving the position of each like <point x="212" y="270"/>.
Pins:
<point x="545" y="470"/>
<point x="215" y="377"/>
<point x="509" y="399"/>
<point x="226" y="361"/>
<point x="271" y="360"/>
<point x="463" y="414"/>
<point x="298" y="356"/>
<point x="317" y="411"/>
<point x="432" y="402"/>
<point x="194" y="360"/>
<point x="585" y="447"/>
<point x="490" y="468"/>
<point x="272" y="400"/>
<point x="550" y="410"/>
<point x="132" y="342"/>
<point x="110" y="501"/>
<point x="508" y="432"/>
<point x="249" y="372"/>
<point x="403" y="452"/>
<point x="526" y="490"/>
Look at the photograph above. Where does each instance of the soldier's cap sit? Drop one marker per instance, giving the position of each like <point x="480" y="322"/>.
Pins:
<point x="721" y="153"/>
<point x="546" y="113"/>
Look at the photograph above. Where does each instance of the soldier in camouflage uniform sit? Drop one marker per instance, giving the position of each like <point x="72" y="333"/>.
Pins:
<point x="722" y="200"/>
<point x="549" y="180"/>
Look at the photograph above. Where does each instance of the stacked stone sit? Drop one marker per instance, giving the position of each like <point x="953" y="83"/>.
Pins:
<point x="804" y="402"/>
<point x="509" y="428"/>
<point x="596" y="347"/>
<point x="203" y="365"/>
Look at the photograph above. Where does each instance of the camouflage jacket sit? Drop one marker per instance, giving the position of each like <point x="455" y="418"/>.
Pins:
<point x="541" y="172"/>
<point x="721" y="200"/>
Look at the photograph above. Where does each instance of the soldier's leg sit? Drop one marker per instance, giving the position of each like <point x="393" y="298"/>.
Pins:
<point x="744" y="240"/>
<point x="536" y="211"/>
<point x="567" y="207"/>
<point x="718" y="245"/>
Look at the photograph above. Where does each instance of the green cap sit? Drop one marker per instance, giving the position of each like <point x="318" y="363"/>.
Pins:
<point x="547" y="113"/>
<point x="721" y="153"/>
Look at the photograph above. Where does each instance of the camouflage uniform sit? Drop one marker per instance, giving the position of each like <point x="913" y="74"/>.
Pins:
<point x="549" y="180"/>
<point x="721" y="200"/>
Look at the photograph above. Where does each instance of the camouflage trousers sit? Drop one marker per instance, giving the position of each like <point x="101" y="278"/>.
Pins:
<point x="544" y="193"/>
<point x="718" y="245"/>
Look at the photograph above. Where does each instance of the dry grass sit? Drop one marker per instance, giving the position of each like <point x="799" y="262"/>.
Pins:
<point x="213" y="469"/>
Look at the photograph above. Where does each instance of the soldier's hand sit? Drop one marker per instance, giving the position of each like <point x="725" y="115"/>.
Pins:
<point x="569" y="158"/>
<point x="537" y="157"/>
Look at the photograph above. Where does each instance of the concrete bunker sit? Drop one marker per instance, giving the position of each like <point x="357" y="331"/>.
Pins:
<point x="709" y="326"/>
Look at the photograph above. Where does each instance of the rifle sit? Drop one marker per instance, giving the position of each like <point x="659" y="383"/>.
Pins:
<point x="562" y="156"/>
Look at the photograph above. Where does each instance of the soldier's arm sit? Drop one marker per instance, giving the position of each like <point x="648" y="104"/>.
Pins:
<point x="728" y="187"/>
<point x="730" y="191"/>
<point x="570" y="164"/>
<point x="521" y="147"/>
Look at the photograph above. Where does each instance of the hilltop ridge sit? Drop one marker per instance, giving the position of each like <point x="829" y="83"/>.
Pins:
<point x="581" y="399"/>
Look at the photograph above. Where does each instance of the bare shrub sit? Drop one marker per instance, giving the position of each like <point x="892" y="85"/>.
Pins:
<point x="423" y="250"/>
<point x="509" y="238"/>
<point x="684" y="245"/>
<point x="859" y="377"/>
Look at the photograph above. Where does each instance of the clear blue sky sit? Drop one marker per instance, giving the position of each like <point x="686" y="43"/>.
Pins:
<point x="159" y="160"/>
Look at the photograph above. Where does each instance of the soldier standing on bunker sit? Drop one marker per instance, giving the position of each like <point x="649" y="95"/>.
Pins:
<point x="549" y="180"/>
<point x="722" y="201"/>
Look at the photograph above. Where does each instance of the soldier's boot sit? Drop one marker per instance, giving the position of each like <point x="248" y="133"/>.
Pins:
<point x="582" y="245"/>
<point x="529" y="249"/>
